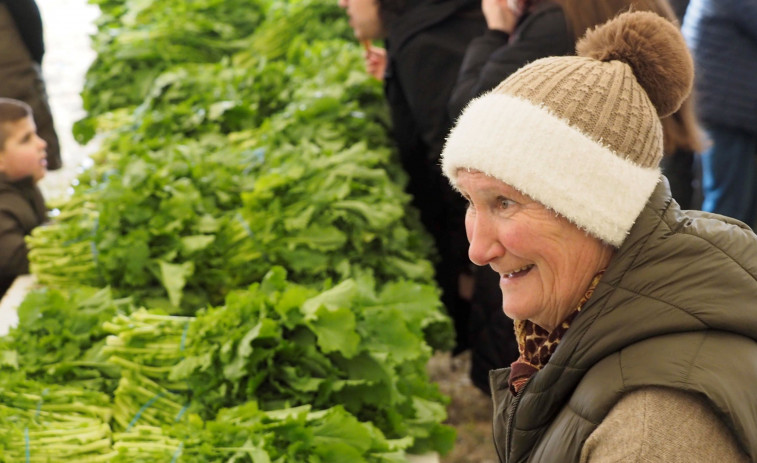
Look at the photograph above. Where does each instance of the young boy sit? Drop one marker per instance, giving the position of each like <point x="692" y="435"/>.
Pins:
<point x="22" y="207"/>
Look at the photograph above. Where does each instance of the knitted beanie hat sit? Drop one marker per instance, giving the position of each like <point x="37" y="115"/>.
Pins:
<point x="581" y="134"/>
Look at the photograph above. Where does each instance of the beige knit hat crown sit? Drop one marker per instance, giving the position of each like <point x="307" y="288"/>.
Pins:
<point x="581" y="134"/>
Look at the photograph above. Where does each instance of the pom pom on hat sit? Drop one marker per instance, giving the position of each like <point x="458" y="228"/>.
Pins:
<point x="582" y="134"/>
<point x="653" y="47"/>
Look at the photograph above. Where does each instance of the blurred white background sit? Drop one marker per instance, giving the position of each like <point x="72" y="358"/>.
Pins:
<point x="67" y="26"/>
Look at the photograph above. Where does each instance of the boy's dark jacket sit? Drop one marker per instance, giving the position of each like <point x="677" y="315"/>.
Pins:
<point x="22" y="208"/>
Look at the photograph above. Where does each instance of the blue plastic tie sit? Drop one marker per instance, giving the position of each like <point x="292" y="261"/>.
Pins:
<point x="93" y="248"/>
<point x="39" y="403"/>
<point x="177" y="453"/>
<point x="184" y="337"/>
<point x="181" y="412"/>
<point x="142" y="410"/>
<point x="26" y="441"/>
<point x="245" y="225"/>
<point x="93" y="245"/>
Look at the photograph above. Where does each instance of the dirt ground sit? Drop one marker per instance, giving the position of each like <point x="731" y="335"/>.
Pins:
<point x="470" y="410"/>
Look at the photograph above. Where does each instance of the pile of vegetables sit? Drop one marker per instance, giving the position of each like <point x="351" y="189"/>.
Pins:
<point x="45" y="422"/>
<point x="240" y="275"/>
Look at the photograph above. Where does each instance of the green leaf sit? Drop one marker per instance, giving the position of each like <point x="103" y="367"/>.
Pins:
<point x="196" y="243"/>
<point x="335" y="330"/>
<point x="386" y="331"/>
<point x="9" y="358"/>
<point x="341" y="295"/>
<point x="339" y="430"/>
<point x="174" y="277"/>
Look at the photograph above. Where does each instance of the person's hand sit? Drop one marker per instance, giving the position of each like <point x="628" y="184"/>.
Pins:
<point x="498" y="15"/>
<point x="375" y="61"/>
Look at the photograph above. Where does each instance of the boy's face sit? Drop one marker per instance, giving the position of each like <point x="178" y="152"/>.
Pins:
<point x="24" y="152"/>
<point x="364" y="18"/>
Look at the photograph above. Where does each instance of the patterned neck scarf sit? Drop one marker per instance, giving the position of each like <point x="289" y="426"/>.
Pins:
<point x="536" y="345"/>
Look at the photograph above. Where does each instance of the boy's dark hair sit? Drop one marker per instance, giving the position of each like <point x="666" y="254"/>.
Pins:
<point x="11" y="111"/>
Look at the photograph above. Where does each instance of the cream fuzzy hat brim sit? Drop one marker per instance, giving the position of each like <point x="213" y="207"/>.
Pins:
<point x="542" y="156"/>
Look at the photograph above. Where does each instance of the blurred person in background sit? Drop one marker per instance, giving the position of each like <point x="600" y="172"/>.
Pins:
<point x="636" y="320"/>
<point x="22" y="208"/>
<point x="518" y="32"/>
<point x="681" y="131"/>
<point x="722" y="35"/>
<point x="679" y="8"/>
<point x="22" y="45"/>
<point x="424" y="45"/>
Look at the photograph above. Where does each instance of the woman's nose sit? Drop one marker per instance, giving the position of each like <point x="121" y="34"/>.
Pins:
<point x="483" y="245"/>
<point x="342" y="3"/>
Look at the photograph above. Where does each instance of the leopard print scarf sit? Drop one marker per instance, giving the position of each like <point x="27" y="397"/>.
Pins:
<point x="536" y="345"/>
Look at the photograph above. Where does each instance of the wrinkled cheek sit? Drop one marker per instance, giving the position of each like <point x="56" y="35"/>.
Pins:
<point x="516" y="237"/>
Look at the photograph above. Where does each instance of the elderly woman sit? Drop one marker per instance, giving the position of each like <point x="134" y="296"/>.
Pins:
<point x="636" y="321"/>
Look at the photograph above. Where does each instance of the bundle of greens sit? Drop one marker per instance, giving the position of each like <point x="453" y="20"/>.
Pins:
<point x="44" y="423"/>
<point x="72" y="228"/>
<point x="248" y="434"/>
<point x="282" y="344"/>
<point x="59" y="336"/>
<point x="147" y="343"/>
<point x="139" y="400"/>
<point x="137" y="41"/>
<point x="146" y="346"/>
<point x="163" y="220"/>
<point x="334" y="215"/>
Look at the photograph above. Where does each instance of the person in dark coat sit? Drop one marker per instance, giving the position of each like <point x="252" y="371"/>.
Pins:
<point x="22" y="207"/>
<point x="679" y="7"/>
<point x="425" y="41"/>
<point x="22" y="45"/>
<point x="722" y="36"/>
<point x="518" y="32"/>
<point x="681" y="131"/>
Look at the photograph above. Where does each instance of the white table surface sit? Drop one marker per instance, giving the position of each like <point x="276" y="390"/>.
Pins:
<point x="11" y="300"/>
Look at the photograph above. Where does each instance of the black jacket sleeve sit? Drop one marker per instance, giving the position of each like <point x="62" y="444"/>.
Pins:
<point x="427" y="64"/>
<point x="490" y="59"/>
<point x="469" y="80"/>
<point x="29" y="23"/>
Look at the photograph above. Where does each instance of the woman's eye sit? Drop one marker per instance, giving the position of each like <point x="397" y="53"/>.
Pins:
<point x="504" y="203"/>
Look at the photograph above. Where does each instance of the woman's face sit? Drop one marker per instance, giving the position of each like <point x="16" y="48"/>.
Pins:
<point x="364" y="18"/>
<point x="545" y="263"/>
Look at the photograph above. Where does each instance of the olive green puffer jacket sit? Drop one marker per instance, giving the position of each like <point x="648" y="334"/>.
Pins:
<point x="677" y="307"/>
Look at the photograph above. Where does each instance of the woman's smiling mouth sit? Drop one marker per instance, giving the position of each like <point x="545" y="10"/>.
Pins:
<point x="518" y="272"/>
